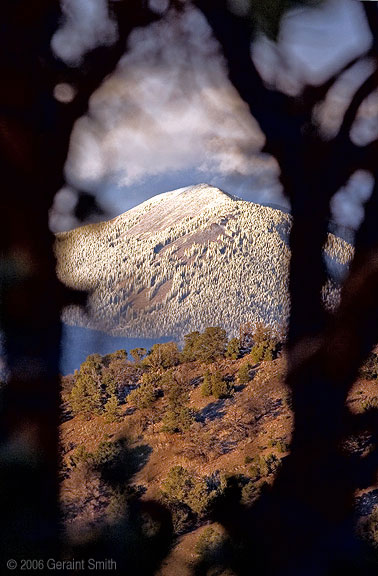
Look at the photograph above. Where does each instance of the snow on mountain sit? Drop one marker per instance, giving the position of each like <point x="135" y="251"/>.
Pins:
<point x="184" y="260"/>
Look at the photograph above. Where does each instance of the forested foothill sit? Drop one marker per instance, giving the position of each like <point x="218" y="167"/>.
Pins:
<point x="186" y="426"/>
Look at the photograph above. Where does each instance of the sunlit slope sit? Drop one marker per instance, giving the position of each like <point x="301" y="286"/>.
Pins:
<point x="182" y="261"/>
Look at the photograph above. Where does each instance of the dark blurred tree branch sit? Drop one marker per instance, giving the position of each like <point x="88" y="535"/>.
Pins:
<point x="306" y="519"/>
<point x="312" y="170"/>
<point x="316" y="483"/>
<point x="35" y="132"/>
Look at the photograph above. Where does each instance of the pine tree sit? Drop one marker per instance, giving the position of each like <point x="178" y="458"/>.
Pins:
<point x="219" y="387"/>
<point x="162" y="356"/>
<point x="144" y="396"/>
<point x="114" y="356"/>
<point x="112" y="411"/>
<point x="86" y="394"/>
<point x="191" y="342"/>
<point x="206" y="388"/>
<point x="109" y="382"/>
<point x="77" y="398"/>
<point x="205" y="347"/>
<point x="266" y="344"/>
<point x="212" y="344"/>
<point x="138" y="354"/>
<point x="178" y="417"/>
<point x="233" y="349"/>
<point x="183" y="486"/>
<point x="244" y="373"/>
<point x="257" y="353"/>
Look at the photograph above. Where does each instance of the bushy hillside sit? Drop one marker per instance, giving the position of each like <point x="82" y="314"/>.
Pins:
<point x="176" y="436"/>
<point x="182" y="261"/>
<point x="167" y="435"/>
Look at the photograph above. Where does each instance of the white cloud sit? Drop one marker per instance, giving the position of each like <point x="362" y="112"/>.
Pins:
<point x="365" y="127"/>
<point x="348" y="205"/>
<point x="61" y="216"/>
<point x="314" y="43"/>
<point x="86" y="26"/>
<point x="168" y="107"/>
<point x="330" y="112"/>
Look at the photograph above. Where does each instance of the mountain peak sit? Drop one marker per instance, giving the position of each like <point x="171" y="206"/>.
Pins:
<point x="203" y="190"/>
<point x="168" y="209"/>
<point x="202" y="193"/>
<point x="184" y="260"/>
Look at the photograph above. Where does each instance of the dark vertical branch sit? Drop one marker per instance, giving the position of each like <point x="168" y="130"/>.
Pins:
<point x="303" y="160"/>
<point x="30" y="295"/>
<point x="308" y="518"/>
<point x="34" y="138"/>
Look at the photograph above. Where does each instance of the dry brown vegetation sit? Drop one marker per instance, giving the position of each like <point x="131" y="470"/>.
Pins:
<point x="245" y="436"/>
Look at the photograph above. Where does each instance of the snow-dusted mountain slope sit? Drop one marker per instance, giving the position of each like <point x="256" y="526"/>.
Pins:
<point x="182" y="261"/>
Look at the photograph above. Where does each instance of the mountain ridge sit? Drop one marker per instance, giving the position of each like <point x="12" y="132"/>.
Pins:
<point x="183" y="260"/>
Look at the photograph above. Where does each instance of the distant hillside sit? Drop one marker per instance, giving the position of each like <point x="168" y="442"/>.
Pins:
<point x="184" y="260"/>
